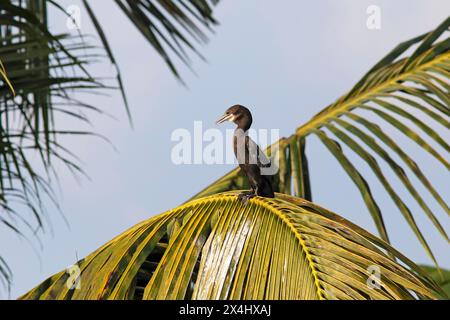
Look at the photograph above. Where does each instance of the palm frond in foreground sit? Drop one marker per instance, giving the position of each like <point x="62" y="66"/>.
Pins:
<point x="218" y="248"/>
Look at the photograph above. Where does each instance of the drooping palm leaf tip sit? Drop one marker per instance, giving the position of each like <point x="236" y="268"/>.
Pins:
<point x="170" y="27"/>
<point x="401" y="91"/>
<point x="219" y="248"/>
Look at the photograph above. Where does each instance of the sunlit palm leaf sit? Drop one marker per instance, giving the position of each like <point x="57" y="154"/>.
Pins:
<point x="219" y="248"/>
<point x="396" y="90"/>
<point x="5" y="79"/>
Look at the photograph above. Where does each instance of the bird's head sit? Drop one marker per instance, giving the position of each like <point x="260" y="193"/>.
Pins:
<point x="238" y="114"/>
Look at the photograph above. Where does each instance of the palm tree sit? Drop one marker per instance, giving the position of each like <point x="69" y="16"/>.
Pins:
<point x="217" y="248"/>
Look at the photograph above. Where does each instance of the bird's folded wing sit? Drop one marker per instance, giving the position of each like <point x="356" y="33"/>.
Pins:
<point x="256" y="155"/>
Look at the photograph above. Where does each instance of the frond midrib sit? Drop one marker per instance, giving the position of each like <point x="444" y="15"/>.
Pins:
<point x="297" y="234"/>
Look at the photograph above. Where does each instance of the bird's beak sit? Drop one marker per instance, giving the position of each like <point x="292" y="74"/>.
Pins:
<point x="225" y="117"/>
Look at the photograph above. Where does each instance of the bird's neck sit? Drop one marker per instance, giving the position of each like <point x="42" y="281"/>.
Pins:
<point x="244" y="126"/>
<point x="244" y="122"/>
<point x="240" y="131"/>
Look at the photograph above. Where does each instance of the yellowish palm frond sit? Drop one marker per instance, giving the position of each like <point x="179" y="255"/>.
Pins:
<point x="218" y="248"/>
<point x="4" y="78"/>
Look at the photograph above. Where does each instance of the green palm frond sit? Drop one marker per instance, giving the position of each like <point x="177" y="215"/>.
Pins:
<point x="397" y="91"/>
<point x="441" y="277"/>
<point x="170" y="27"/>
<point x="45" y="74"/>
<point x="47" y="70"/>
<point x="219" y="248"/>
<point x="5" y="274"/>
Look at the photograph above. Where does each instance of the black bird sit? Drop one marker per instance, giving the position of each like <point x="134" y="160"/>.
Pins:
<point x="250" y="158"/>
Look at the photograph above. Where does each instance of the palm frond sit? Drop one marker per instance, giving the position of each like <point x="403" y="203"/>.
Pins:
<point x="5" y="79"/>
<point x="172" y="28"/>
<point x="441" y="277"/>
<point x="396" y="90"/>
<point x="219" y="248"/>
<point x="47" y="71"/>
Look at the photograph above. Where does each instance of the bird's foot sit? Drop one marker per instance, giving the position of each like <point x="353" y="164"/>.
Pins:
<point x="247" y="198"/>
<point x="246" y="195"/>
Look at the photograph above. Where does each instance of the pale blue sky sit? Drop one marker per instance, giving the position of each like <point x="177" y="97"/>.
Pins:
<point x="285" y="60"/>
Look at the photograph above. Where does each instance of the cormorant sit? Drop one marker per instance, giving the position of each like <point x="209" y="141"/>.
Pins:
<point x="250" y="158"/>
